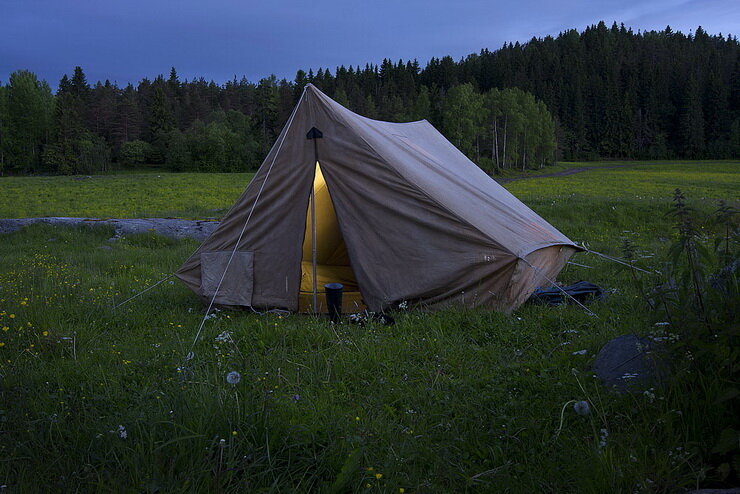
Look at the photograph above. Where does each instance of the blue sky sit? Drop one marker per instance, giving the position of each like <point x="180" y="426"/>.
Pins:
<point x="218" y="39"/>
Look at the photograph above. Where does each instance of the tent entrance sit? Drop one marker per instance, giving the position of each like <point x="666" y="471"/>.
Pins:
<point x="332" y="259"/>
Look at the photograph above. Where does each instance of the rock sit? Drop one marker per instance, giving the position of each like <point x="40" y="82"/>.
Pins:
<point x="630" y="363"/>
<point x="733" y="490"/>
<point x="170" y="227"/>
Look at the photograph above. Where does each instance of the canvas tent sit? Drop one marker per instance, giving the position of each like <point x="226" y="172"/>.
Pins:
<point x="393" y="211"/>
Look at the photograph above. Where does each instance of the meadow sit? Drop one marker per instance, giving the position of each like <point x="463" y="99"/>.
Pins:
<point x="99" y="399"/>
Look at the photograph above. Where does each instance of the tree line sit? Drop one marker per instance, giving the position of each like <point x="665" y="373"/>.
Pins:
<point x="600" y="93"/>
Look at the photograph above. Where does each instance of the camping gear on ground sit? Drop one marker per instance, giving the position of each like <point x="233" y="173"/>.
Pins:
<point x="334" y="300"/>
<point x="582" y="292"/>
<point x="392" y="211"/>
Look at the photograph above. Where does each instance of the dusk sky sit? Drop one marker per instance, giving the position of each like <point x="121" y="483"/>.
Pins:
<point x="219" y="39"/>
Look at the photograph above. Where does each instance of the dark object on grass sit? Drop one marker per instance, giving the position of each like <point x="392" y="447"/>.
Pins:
<point x="630" y="363"/>
<point x="582" y="291"/>
<point x="334" y="299"/>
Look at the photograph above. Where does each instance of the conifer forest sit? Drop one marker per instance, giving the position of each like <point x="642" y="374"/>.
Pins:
<point x="603" y="93"/>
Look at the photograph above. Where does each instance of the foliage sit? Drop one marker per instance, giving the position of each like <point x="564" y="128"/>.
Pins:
<point x="603" y="92"/>
<point x="134" y="153"/>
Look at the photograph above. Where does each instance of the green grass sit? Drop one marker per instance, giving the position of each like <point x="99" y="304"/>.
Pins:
<point x="186" y="195"/>
<point x="451" y="401"/>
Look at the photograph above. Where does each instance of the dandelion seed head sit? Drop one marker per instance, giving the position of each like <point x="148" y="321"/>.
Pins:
<point x="582" y="408"/>
<point x="233" y="377"/>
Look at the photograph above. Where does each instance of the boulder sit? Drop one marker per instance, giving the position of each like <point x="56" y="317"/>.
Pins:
<point x="630" y="363"/>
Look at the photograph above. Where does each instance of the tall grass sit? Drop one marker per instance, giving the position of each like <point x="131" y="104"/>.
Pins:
<point x="97" y="399"/>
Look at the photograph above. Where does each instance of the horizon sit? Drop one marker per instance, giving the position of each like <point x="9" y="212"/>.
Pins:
<point x="226" y="41"/>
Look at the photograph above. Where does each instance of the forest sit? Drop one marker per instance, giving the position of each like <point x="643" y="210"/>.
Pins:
<point x="605" y="92"/>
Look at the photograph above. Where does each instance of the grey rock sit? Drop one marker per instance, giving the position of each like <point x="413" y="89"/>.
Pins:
<point x="170" y="227"/>
<point x="630" y="363"/>
<point x="732" y="490"/>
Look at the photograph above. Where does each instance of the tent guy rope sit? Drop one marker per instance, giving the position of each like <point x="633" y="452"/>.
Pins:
<point x="144" y="290"/>
<point x="244" y="228"/>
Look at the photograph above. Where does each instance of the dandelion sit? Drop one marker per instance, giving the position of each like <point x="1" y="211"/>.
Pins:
<point x="357" y="419"/>
<point x="401" y="490"/>
<point x="234" y="433"/>
<point x="6" y="328"/>
<point x="233" y="377"/>
<point x="45" y="333"/>
<point x="12" y="316"/>
<point x="2" y="344"/>
<point x="378" y="476"/>
<point x="582" y="408"/>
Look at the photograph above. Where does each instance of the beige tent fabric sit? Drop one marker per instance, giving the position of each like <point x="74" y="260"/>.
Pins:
<point x="420" y="221"/>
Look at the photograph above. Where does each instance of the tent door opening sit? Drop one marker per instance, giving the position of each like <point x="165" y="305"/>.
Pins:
<point x="332" y="259"/>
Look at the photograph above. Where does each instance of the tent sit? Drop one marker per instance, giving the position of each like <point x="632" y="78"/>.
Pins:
<point x="393" y="211"/>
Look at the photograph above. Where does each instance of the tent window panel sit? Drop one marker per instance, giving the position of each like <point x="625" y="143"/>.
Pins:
<point x="237" y="285"/>
<point x="332" y="259"/>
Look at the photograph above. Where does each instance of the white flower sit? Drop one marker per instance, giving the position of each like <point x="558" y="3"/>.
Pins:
<point x="602" y="439"/>
<point x="224" y="337"/>
<point x="122" y="432"/>
<point x="233" y="377"/>
<point x="582" y="408"/>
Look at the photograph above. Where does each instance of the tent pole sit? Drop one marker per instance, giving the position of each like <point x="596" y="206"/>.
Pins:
<point x="314" y="134"/>
<point x="313" y="236"/>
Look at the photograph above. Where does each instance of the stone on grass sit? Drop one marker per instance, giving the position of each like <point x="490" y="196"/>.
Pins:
<point x="630" y="363"/>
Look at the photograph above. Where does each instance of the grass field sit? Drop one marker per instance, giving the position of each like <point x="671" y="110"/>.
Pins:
<point x="97" y="399"/>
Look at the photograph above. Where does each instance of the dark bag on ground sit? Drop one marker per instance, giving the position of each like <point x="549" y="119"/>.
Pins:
<point x="582" y="291"/>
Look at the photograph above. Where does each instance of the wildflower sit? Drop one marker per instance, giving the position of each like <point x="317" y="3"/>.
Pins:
<point x="2" y="344"/>
<point x="6" y="328"/>
<point x="580" y="352"/>
<point x="224" y="337"/>
<point x="45" y="333"/>
<point x="602" y="438"/>
<point x="378" y="476"/>
<point x="234" y="433"/>
<point x="122" y="432"/>
<point x="357" y="419"/>
<point x="582" y="408"/>
<point x="401" y="490"/>
<point x="296" y="397"/>
<point x="233" y="377"/>
<point x="12" y="316"/>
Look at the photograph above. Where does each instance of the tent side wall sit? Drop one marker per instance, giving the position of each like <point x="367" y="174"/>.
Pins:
<point x="266" y="269"/>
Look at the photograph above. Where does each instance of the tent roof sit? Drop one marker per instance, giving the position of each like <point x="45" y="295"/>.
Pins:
<point x="427" y="160"/>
